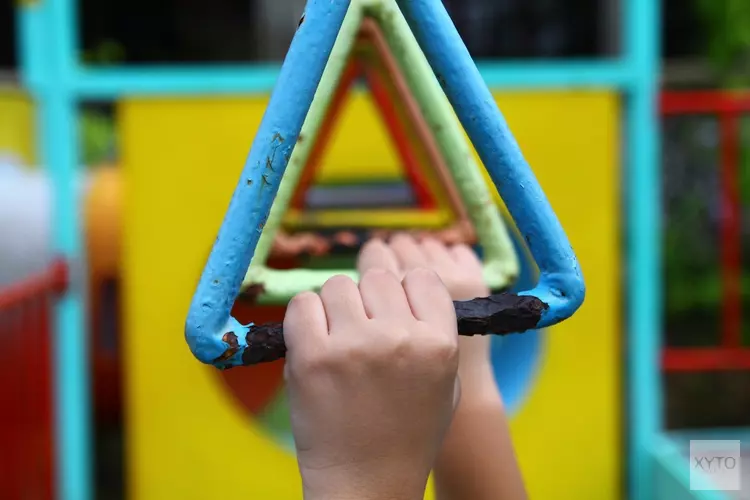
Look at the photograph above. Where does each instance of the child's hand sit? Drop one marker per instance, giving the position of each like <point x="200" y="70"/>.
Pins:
<point x="477" y="460"/>
<point x="461" y="272"/>
<point x="371" y="375"/>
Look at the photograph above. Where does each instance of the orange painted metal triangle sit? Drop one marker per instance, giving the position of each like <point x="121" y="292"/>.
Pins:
<point x="400" y="112"/>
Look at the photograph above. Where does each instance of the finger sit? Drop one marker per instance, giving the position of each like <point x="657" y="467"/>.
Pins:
<point x="305" y="325"/>
<point x="384" y="296"/>
<point x="375" y="254"/>
<point x="437" y="253"/>
<point x="465" y="257"/>
<point x="407" y="251"/>
<point x="429" y="299"/>
<point x="343" y="303"/>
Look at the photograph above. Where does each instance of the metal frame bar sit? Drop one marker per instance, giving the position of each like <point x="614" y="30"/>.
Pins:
<point x="432" y="107"/>
<point x="56" y="79"/>
<point x="728" y="108"/>
<point x="642" y="52"/>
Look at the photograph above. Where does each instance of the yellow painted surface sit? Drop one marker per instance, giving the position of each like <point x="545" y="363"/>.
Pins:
<point x="16" y="124"/>
<point x="392" y="218"/>
<point x="187" y="437"/>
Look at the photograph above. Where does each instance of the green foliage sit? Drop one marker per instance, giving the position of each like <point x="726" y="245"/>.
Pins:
<point x="98" y="137"/>
<point x="97" y="128"/>
<point x="728" y="26"/>
<point x="105" y="53"/>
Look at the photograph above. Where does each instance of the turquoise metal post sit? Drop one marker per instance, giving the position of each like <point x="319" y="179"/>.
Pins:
<point x="48" y="54"/>
<point x="60" y="140"/>
<point x="642" y="52"/>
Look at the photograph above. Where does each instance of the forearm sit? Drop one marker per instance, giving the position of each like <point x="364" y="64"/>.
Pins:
<point x="477" y="460"/>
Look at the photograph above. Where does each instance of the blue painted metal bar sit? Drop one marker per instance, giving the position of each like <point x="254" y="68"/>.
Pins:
<point x="47" y="49"/>
<point x="116" y="82"/>
<point x="561" y="283"/>
<point x="642" y="52"/>
<point x="209" y="316"/>
<point x="30" y="34"/>
<point x="56" y="112"/>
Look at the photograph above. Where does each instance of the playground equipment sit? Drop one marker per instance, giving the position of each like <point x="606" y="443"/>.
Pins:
<point x="216" y="337"/>
<point x="569" y="135"/>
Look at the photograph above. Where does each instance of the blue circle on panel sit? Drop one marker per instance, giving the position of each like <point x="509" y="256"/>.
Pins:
<point x="515" y="358"/>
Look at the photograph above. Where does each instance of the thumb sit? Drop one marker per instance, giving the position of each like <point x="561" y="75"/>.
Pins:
<point x="375" y="254"/>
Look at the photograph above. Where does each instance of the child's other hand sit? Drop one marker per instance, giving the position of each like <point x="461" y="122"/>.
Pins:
<point x="461" y="272"/>
<point x="371" y="375"/>
<point x="477" y="460"/>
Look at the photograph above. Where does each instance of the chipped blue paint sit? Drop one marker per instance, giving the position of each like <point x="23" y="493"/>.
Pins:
<point x="209" y="315"/>
<point x="561" y="281"/>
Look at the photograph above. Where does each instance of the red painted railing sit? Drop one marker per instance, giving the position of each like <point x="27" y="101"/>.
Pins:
<point x="26" y="411"/>
<point x="729" y="108"/>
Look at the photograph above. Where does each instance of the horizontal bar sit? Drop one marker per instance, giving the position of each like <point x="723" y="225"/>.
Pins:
<point x="392" y="218"/>
<point x="682" y="437"/>
<point x="705" y="359"/>
<point x="675" y="103"/>
<point x="670" y="458"/>
<point x="54" y="280"/>
<point x="115" y="82"/>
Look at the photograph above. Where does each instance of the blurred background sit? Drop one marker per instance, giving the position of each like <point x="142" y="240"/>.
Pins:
<point x="705" y="183"/>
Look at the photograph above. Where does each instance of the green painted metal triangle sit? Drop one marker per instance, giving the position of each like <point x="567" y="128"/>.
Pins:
<point x="500" y="260"/>
<point x="215" y="337"/>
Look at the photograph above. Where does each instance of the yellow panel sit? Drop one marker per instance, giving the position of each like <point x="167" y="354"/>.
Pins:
<point x="360" y="145"/>
<point x="568" y="431"/>
<point x="16" y="124"/>
<point x="187" y="439"/>
<point x="395" y="218"/>
<point x="182" y="159"/>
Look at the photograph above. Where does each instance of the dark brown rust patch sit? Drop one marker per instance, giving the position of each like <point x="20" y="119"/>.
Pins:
<point x="249" y="182"/>
<point x="234" y="346"/>
<point x="265" y="343"/>
<point x="498" y="314"/>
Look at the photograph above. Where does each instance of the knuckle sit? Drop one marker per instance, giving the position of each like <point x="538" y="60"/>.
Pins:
<point x="375" y="276"/>
<point x="401" y="345"/>
<point x="443" y="349"/>
<point x="302" y="301"/>
<point x="310" y="365"/>
<point x="336" y="284"/>
<point x="422" y="275"/>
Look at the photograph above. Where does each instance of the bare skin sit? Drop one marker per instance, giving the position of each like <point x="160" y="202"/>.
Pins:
<point x="477" y="460"/>
<point x="371" y="372"/>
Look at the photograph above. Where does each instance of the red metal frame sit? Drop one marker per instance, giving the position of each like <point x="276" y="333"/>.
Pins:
<point x="26" y="430"/>
<point x="386" y="107"/>
<point x="729" y="108"/>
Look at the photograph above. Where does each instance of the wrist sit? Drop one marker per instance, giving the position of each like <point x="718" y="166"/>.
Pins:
<point x="372" y="484"/>
<point x="368" y="495"/>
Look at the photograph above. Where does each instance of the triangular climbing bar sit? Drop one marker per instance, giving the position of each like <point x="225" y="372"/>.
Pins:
<point x="217" y="338"/>
<point x="500" y="262"/>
